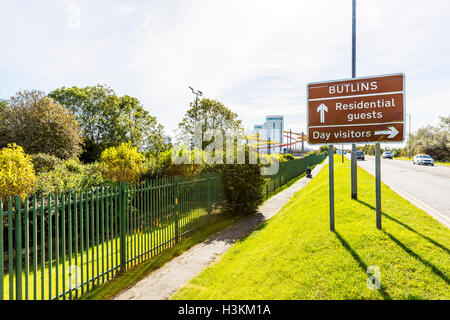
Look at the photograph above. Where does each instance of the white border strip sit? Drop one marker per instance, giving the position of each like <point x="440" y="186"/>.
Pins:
<point x="358" y="125"/>
<point x="359" y="96"/>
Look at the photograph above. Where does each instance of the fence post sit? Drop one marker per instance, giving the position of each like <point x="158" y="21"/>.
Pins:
<point x="177" y="231"/>
<point x="123" y="233"/>
<point x="18" y="232"/>
<point x="209" y="194"/>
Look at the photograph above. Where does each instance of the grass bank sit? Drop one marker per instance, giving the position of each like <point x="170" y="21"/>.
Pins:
<point x="295" y="256"/>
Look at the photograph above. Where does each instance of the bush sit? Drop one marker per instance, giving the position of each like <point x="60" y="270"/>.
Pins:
<point x="44" y="162"/>
<point x="17" y="175"/>
<point x="243" y="186"/>
<point x="122" y="164"/>
<point x="70" y="175"/>
<point x="157" y="166"/>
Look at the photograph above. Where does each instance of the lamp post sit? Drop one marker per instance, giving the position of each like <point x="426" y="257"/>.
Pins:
<point x="197" y="94"/>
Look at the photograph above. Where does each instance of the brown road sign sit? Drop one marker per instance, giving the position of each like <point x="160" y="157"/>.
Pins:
<point x="371" y="105"/>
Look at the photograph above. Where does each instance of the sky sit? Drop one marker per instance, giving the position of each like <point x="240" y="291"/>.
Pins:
<point x="255" y="56"/>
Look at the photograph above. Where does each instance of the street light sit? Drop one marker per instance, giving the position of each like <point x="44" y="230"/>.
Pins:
<point x="197" y="93"/>
<point x="409" y="118"/>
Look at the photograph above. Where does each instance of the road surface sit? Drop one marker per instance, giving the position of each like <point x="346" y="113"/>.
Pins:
<point x="428" y="187"/>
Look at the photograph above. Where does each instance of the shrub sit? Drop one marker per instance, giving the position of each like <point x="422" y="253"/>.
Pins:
<point x="243" y="185"/>
<point x="157" y="166"/>
<point x="44" y="162"/>
<point x="17" y="175"/>
<point x="70" y="175"/>
<point x="123" y="163"/>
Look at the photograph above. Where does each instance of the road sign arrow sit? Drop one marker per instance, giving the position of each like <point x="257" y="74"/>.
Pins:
<point x="392" y="132"/>
<point x="322" y="109"/>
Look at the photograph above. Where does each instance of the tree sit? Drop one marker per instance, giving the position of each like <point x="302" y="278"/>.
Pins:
<point x="40" y="125"/>
<point x="210" y="115"/>
<point x="432" y="140"/>
<point x="109" y="120"/>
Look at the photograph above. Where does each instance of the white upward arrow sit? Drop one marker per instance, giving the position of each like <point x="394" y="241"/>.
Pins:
<point x="322" y="109"/>
<point x="392" y="132"/>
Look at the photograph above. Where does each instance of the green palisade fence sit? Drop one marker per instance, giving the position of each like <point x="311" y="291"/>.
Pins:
<point x="60" y="246"/>
<point x="290" y="170"/>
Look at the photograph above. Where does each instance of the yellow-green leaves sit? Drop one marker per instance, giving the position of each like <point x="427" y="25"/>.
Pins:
<point x="122" y="164"/>
<point x="16" y="172"/>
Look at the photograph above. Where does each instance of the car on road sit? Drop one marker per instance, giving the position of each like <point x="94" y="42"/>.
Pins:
<point x="360" y="155"/>
<point x="387" y="155"/>
<point x="423" y="159"/>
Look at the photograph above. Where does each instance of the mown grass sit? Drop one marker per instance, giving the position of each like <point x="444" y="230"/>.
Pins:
<point x="295" y="255"/>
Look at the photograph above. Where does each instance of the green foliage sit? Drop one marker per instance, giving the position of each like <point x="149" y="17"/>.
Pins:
<point x="40" y="125"/>
<point x="43" y="162"/>
<point x="400" y="152"/>
<point x="17" y="175"/>
<point x="122" y="164"/>
<point x="324" y="149"/>
<point x="432" y="140"/>
<point x="210" y="115"/>
<point x="70" y="175"/>
<point x="368" y="149"/>
<point x="286" y="157"/>
<point x="243" y="185"/>
<point x="108" y="120"/>
<point x="157" y="165"/>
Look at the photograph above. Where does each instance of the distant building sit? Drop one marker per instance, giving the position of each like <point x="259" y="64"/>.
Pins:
<point x="271" y="130"/>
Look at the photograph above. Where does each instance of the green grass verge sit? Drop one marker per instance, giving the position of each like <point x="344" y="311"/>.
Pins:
<point x="295" y="256"/>
<point x="287" y="185"/>
<point x="126" y="279"/>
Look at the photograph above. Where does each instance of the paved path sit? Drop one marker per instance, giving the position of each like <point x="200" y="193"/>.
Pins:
<point x="161" y="284"/>
<point x="426" y="187"/>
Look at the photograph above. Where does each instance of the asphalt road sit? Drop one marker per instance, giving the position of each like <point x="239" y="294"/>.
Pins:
<point x="427" y="184"/>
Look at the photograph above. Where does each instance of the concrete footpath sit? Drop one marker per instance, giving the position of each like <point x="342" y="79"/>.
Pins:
<point x="161" y="284"/>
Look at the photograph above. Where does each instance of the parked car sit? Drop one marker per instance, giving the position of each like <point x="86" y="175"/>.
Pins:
<point x="360" y="155"/>
<point x="387" y="155"/>
<point x="423" y="159"/>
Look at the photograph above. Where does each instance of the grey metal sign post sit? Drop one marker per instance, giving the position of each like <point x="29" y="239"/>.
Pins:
<point x="378" y="184"/>
<point x="354" y="166"/>
<point x="331" y="184"/>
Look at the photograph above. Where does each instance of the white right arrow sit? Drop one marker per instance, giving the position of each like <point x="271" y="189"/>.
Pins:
<point x="322" y="109"/>
<point x="392" y="132"/>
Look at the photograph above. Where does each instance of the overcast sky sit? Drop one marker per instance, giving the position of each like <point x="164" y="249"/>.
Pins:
<point x="254" y="56"/>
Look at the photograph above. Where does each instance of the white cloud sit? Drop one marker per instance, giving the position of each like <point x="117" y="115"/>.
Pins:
<point x="255" y="56"/>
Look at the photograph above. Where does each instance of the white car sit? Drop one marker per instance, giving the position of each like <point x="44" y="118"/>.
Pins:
<point x="423" y="159"/>
<point x="387" y="155"/>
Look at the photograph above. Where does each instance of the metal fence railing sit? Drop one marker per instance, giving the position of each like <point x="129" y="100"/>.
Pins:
<point x="291" y="169"/>
<point x="62" y="245"/>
